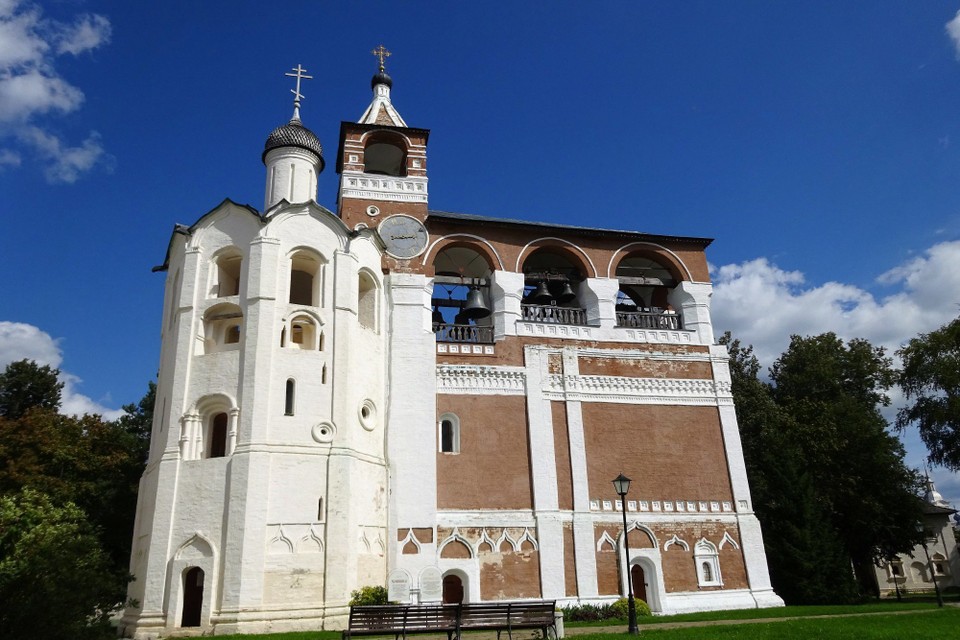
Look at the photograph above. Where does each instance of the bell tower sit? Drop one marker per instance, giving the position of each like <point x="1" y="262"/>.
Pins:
<point x="381" y="161"/>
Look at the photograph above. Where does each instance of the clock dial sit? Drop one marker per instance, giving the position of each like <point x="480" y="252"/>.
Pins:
<point x="405" y="237"/>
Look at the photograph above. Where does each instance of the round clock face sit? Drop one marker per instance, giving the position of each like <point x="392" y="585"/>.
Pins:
<point x="404" y="236"/>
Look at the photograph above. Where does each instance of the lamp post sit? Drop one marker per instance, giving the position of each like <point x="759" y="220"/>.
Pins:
<point x="622" y="484"/>
<point x="926" y="552"/>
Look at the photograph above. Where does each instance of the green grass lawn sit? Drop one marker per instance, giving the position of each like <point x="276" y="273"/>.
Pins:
<point x="927" y="624"/>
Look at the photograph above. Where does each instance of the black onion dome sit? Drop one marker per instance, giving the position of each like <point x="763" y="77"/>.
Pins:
<point x="293" y="134"/>
<point x="381" y="78"/>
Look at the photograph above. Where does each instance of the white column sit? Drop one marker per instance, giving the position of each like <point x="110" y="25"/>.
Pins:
<point x="543" y="469"/>
<point x="506" y="292"/>
<point x="232" y="431"/>
<point x="599" y="297"/>
<point x="692" y="301"/>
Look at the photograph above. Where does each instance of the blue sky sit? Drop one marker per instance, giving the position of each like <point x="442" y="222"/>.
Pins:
<point x="817" y="142"/>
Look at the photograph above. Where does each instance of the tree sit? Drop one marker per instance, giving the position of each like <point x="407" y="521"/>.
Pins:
<point x="930" y="380"/>
<point x="808" y="564"/>
<point x="25" y="384"/>
<point x="55" y="581"/>
<point x="833" y="393"/>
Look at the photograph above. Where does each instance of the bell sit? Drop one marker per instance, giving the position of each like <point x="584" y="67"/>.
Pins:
<point x="437" y="318"/>
<point x="475" y="308"/>
<point x="567" y="294"/>
<point x="541" y="295"/>
<point x="461" y="318"/>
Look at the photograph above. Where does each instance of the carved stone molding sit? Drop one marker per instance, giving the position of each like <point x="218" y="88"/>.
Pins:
<point x="620" y="389"/>
<point x="480" y="380"/>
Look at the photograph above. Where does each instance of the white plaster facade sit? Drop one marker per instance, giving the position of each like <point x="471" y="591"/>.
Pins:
<point x="294" y="453"/>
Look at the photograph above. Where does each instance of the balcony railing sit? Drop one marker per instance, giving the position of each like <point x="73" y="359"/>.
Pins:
<point x="648" y="320"/>
<point x="465" y="333"/>
<point x="550" y="314"/>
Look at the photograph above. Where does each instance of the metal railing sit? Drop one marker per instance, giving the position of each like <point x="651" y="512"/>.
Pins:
<point x="648" y="320"/>
<point x="550" y="314"/>
<point x="465" y="333"/>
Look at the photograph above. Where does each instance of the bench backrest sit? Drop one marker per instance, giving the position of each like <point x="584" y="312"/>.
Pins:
<point x="492" y="614"/>
<point x="403" y="617"/>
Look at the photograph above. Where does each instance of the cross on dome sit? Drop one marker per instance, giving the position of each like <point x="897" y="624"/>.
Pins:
<point x="300" y="74"/>
<point x="381" y="53"/>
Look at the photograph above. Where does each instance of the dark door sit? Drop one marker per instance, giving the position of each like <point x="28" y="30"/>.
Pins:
<point x="639" y="582"/>
<point x="192" y="597"/>
<point x="452" y="589"/>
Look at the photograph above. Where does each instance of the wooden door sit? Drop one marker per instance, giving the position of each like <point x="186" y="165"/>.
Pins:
<point x="639" y="582"/>
<point x="452" y="589"/>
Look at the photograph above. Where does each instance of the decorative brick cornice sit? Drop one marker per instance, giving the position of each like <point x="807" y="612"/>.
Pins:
<point x="637" y="390"/>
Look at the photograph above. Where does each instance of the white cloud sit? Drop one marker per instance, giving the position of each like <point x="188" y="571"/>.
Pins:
<point x="65" y="164"/>
<point x="20" y="341"/>
<point x="88" y="32"/>
<point x="31" y="88"/>
<point x="953" y="31"/>
<point x="9" y="158"/>
<point x="763" y="305"/>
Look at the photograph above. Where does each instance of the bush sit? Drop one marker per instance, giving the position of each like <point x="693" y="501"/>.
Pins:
<point x="594" y="612"/>
<point x="622" y="608"/>
<point x="368" y="595"/>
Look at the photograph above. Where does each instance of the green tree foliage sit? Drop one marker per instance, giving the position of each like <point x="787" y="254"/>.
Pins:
<point x="930" y="379"/>
<point x="828" y="480"/>
<point x="55" y="581"/>
<point x="25" y="384"/>
<point x="368" y="595"/>
<point x="806" y="559"/>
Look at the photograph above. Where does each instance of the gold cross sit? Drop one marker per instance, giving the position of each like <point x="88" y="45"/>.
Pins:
<point x="382" y="53"/>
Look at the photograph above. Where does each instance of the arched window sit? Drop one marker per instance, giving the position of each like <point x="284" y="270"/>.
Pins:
<point x="305" y="279"/>
<point x="218" y="436"/>
<point x="226" y="274"/>
<point x="385" y="156"/>
<point x="303" y="333"/>
<point x="551" y="288"/>
<point x="289" y="397"/>
<point x="222" y="326"/>
<point x="449" y="433"/>
<point x="707" y="561"/>
<point x="367" y="301"/>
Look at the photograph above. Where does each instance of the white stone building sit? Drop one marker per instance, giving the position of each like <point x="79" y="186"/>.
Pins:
<point x="438" y="399"/>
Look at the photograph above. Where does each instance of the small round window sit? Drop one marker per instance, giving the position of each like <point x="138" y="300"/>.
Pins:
<point x="368" y="414"/>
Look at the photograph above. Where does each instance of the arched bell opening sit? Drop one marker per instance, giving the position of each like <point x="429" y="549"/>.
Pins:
<point x="385" y="155"/>
<point x="551" y="288"/>
<point x="643" y="298"/>
<point x="462" y="308"/>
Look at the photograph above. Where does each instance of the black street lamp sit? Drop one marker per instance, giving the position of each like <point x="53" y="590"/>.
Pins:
<point x="622" y="484"/>
<point x="933" y="575"/>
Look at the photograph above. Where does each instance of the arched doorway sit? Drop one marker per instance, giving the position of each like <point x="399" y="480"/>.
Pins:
<point x="639" y="582"/>
<point x="192" y="597"/>
<point x="452" y="589"/>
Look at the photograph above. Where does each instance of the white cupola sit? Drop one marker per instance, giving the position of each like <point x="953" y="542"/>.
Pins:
<point x="293" y="157"/>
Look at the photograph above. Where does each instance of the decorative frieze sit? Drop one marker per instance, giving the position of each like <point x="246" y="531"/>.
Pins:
<point x="637" y="390"/>
<point x="480" y="380"/>
<point x="392" y="188"/>
<point x="666" y="506"/>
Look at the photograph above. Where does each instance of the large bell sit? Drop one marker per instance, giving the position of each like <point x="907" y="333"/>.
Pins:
<point x="475" y="308"/>
<point x="567" y="294"/>
<point x="541" y="295"/>
<point x="437" y="318"/>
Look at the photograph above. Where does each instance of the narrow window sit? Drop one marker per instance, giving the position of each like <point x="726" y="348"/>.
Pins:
<point x="320" y="510"/>
<point x="218" y="436"/>
<point x="232" y="335"/>
<point x="320" y="344"/>
<point x="367" y="302"/>
<point x="323" y="375"/>
<point x="283" y="337"/>
<point x="288" y="401"/>
<point x="707" y="573"/>
<point x="449" y="434"/>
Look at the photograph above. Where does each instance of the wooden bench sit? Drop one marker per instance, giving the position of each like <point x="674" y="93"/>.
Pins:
<point x="400" y="620"/>
<point x="509" y="617"/>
